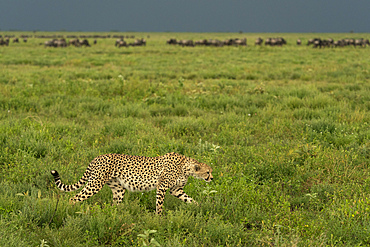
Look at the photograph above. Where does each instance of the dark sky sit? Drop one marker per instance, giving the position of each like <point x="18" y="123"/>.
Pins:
<point x="186" y="15"/>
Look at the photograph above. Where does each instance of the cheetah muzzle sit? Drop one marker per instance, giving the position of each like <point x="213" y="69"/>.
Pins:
<point x="137" y="173"/>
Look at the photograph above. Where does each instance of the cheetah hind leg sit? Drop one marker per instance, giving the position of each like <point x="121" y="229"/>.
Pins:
<point x="87" y="192"/>
<point x="117" y="190"/>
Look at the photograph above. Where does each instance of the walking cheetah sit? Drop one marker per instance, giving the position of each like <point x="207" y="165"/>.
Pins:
<point x="137" y="173"/>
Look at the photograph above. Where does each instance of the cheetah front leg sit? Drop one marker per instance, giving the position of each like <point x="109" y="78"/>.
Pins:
<point x="161" y="191"/>
<point x="117" y="190"/>
<point x="179" y="193"/>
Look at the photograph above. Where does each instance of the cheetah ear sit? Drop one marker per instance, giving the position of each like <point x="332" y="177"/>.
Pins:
<point x="197" y="167"/>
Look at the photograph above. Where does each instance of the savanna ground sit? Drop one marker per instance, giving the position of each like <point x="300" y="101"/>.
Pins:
<point x="286" y="130"/>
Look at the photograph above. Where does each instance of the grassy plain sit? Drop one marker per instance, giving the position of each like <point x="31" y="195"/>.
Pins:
<point x="286" y="130"/>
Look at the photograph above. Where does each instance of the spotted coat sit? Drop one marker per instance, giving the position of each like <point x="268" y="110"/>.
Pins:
<point x="137" y="173"/>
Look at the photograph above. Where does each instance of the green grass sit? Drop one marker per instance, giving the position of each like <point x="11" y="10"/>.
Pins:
<point x="286" y="130"/>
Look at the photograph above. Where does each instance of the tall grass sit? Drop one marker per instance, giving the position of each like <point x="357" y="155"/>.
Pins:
<point x="286" y="130"/>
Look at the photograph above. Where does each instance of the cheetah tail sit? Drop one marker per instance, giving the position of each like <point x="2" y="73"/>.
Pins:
<point x="72" y="187"/>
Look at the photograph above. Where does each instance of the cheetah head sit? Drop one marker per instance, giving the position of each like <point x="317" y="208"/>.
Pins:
<point x="200" y="170"/>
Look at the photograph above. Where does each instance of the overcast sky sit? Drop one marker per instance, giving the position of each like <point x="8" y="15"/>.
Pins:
<point x="186" y="15"/>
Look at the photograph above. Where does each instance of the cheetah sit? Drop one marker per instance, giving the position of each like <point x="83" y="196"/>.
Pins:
<point x="138" y="173"/>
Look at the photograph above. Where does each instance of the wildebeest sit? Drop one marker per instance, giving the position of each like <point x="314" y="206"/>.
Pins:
<point x="215" y="42"/>
<point x="317" y="43"/>
<point x="172" y="42"/>
<point x="229" y="42"/>
<point x="56" y="43"/>
<point x="78" y="42"/>
<point x="49" y="43"/>
<point x="185" y="42"/>
<point x="74" y="42"/>
<point x="322" y="43"/>
<point x="4" y="42"/>
<point x="138" y="42"/>
<point x="84" y="42"/>
<point x="310" y="41"/>
<point x="258" y="41"/>
<point x="361" y="42"/>
<point x="339" y="43"/>
<point x="118" y="41"/>
<point x="121" y="43"/>
<point x="366" y="42"/>
<point x="201" y="42"/>
<point x="238" y="42"/>
<point x="275" y="41"/>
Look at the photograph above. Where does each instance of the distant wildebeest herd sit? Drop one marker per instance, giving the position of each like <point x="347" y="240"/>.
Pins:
<point x="77" y="41"/>
<point x="279" y="41"/>
<point x="121" y="40"/>
<point x="63" y="43"/>
<point x="138" y="42"/>
<point x="5" y="41"/>
<point x="84" y="42"/>
<point x="317" y="42"/>
<point x="209" y="42"/>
